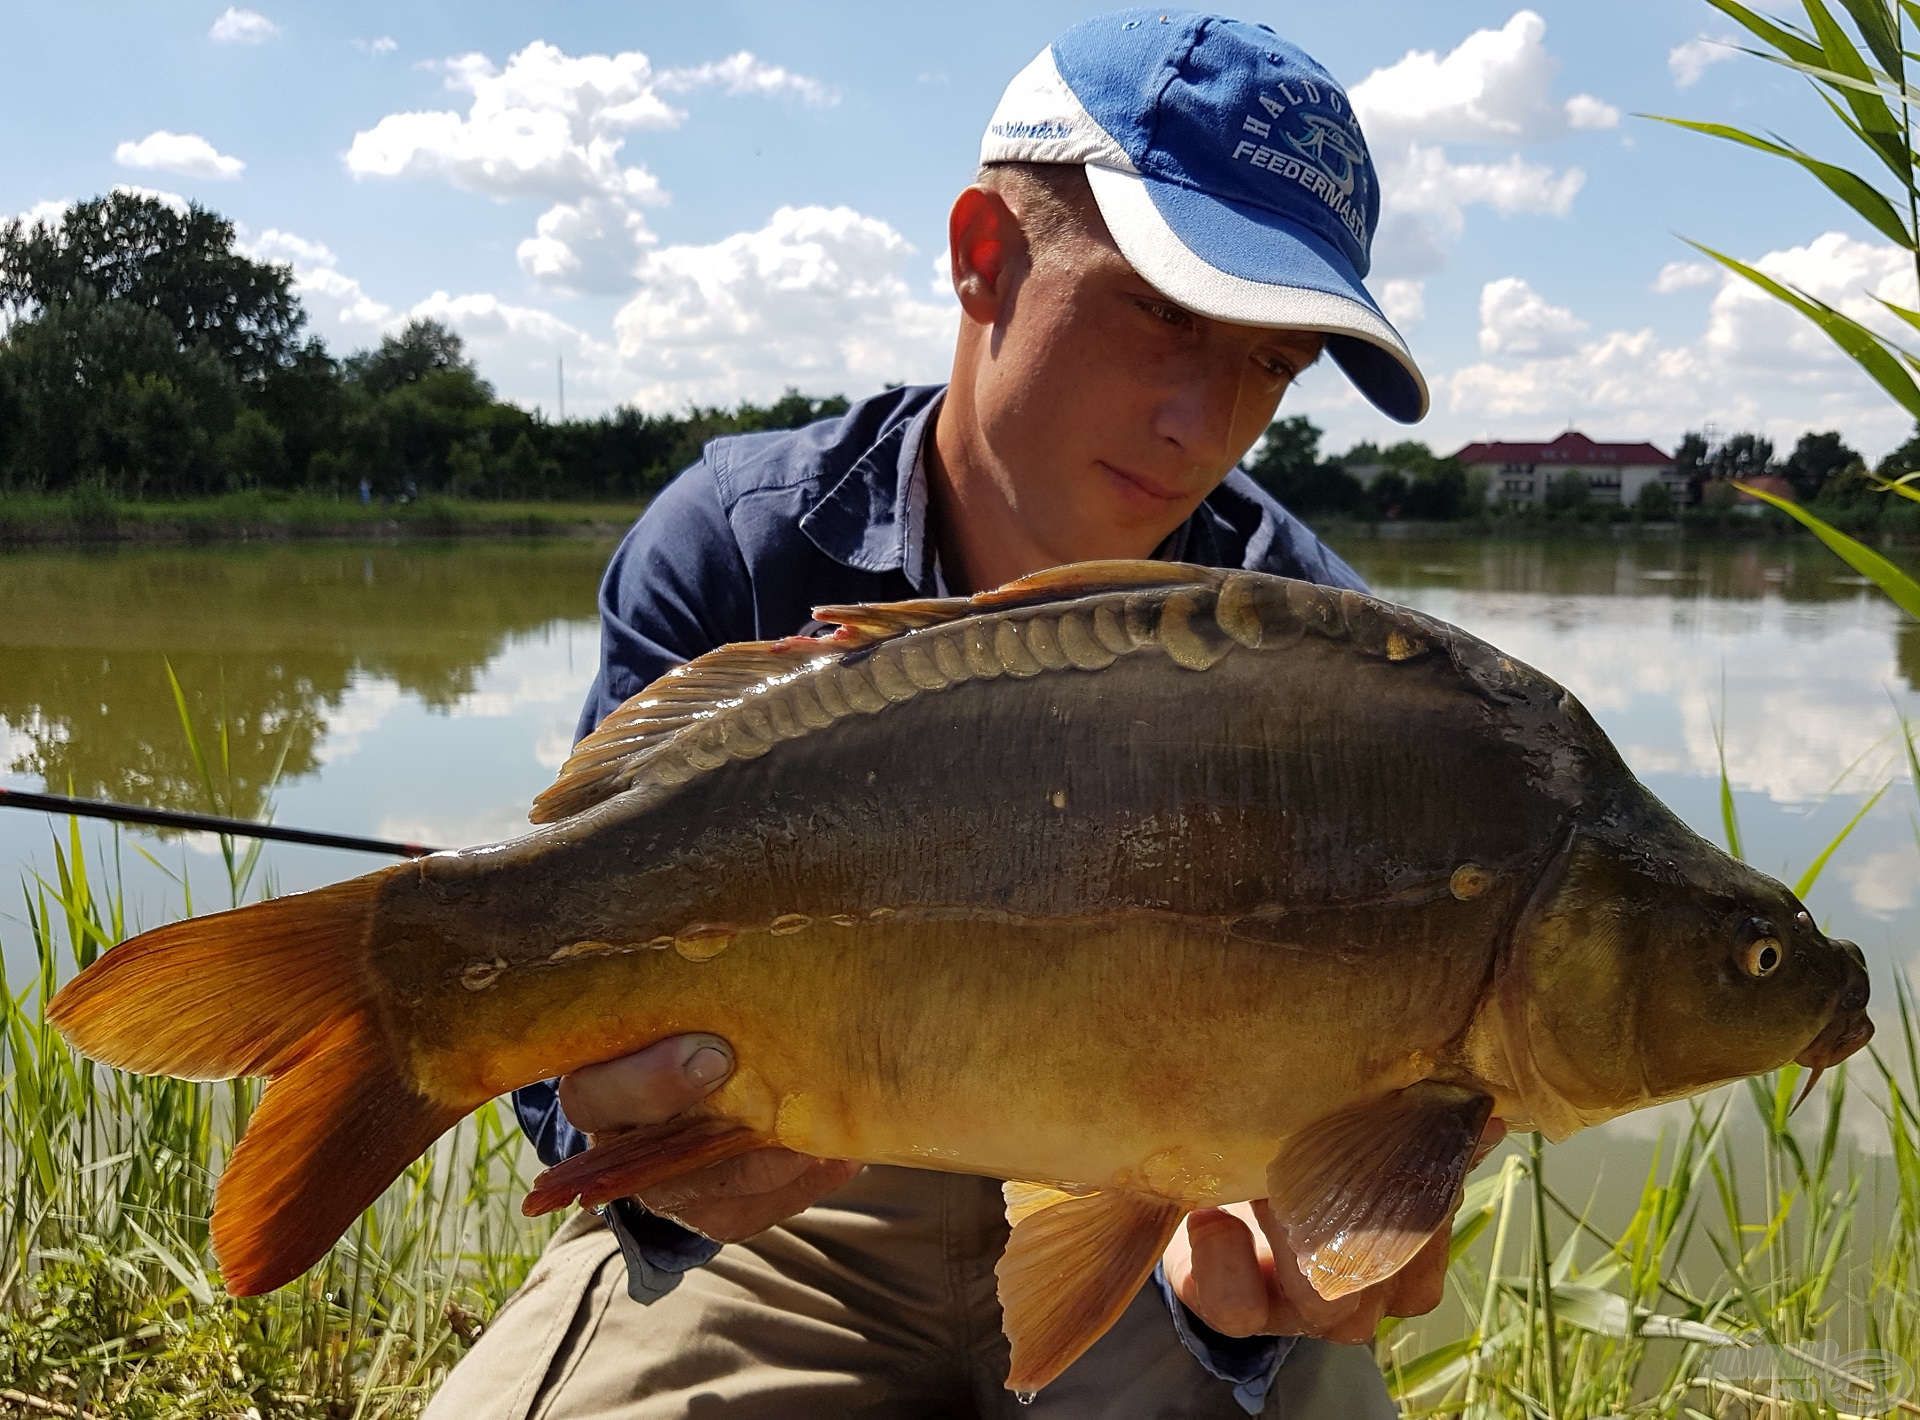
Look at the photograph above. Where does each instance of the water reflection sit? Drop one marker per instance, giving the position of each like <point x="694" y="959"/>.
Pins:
<point x="266" y="641"/>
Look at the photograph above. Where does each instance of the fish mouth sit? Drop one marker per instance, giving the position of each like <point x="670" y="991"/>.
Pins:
<point x="1844" y="1034"/>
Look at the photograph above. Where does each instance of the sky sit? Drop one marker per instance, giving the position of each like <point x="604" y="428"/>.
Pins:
<point x="703" y="203"/>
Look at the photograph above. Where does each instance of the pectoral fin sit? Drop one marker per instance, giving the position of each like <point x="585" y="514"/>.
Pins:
<point x="1360" y="1192"/>
<point x="1072" y="1264"/>
<point x="629" y="1160"/>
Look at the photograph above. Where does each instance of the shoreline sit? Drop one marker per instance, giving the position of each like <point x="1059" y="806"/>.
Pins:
<point x="39" y="521"/>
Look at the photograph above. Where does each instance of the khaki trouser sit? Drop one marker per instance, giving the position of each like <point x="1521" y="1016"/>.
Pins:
<point x="877" y="1302"/>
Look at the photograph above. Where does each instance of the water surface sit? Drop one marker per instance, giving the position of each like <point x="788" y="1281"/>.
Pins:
<point x="427" y="692"/>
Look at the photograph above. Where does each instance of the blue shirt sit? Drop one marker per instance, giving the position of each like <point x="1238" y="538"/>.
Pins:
<point x="740" y="547"/>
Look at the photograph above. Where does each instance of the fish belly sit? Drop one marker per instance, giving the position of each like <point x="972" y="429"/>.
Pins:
<point x="1138" y="1051"/>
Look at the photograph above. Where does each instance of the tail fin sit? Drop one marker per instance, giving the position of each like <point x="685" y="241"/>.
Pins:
<point x="280" y="989"/>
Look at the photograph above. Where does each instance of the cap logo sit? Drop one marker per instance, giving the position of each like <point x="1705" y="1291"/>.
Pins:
<point x="1328" y="147"/>
<point x="1040" y="128"/>
<point x="1322" y="152"/>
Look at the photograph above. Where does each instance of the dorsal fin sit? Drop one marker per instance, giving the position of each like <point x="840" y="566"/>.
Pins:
<point x="607" y="761"/>
<point x="877" y="621"/>
<point x="602" y="764"/>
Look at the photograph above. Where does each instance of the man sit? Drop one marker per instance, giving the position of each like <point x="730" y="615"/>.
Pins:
<point x="1170" y="224"/>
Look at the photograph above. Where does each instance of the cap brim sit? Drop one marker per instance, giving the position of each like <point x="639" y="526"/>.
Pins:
<point x="1237" y="262"/>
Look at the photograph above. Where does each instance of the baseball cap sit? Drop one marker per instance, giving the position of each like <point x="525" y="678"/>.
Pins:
<point x="1231" y="171"/>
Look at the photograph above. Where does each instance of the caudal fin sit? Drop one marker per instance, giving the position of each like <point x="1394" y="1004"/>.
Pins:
<point x="280" y="989"/>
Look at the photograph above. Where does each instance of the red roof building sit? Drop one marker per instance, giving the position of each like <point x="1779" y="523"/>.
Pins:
<point x="1518" y="472"/>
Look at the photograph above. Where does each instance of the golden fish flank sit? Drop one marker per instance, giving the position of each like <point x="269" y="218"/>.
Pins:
<point x="1330" y="974"/>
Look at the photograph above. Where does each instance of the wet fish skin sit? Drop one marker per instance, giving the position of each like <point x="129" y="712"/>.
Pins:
<point x="1181" y="885"/>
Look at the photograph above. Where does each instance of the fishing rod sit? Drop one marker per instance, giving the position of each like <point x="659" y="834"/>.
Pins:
<point x="206" y="823"/>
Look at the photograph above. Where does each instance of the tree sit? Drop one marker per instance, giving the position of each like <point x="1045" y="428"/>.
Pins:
<point x="1742" y="456"/>
<point x="1654" y="501"/>
<point x="424" y="348"/>
<point x="181" y="266"/>
<point x="1388" y="492"/>
<point x="1903" y="460"/>
<point x="1690" y="462"/>
<point x="307" y="403"/>
<point x="1288" y="465"/>
<point x="1814" y="460"/>
<point x="253" y="453"/>
<point x="100" y="380"/>
<point x="1569" y="493"/>
<point x="1437" y="492"/>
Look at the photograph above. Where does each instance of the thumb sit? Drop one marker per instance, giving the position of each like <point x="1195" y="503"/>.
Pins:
<point x="650" y="1086"/>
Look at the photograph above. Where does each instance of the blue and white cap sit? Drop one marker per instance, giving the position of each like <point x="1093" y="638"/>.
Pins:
<point x="1231" y="170"/>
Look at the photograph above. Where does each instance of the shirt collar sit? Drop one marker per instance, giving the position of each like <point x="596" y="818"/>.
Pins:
<point x="875" y="517"/>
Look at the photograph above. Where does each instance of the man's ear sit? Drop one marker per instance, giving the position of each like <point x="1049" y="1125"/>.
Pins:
<point x="987" y="251"/>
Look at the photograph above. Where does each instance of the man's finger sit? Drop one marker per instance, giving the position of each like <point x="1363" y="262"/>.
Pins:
<point x="1490" y="1137"/>
<point x="729" y="1220"/>
<point x="1417" y="1288"/>
<point x="1211" y="1267"/>
<point x="650" y="1086"/>
<point x="761" y="1172"/>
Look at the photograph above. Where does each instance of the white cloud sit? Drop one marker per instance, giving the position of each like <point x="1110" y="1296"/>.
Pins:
<point x="548" y="125"/>
<point x="1748" y="327"/>
<point x="381" y="44"/>
<point x="276" y="245"/>
<point x="1404" y="301"/>
<point x="554" y="126"/>
<point x="1493" y="88"/>
<point x="52" y="212"/>
<point x="590" y="245"/>
<point x="1584" y="111"/>
<point x="1883" y="884"/>
<point x="1517" y="320"/>
<point x="742" y="73"/>
<point x="1687" y="62"/>
<point x="158" y="194"/>
<point x="819" y="298"/>
<point x="330" y="296"/>
<point x="1684" y="275"/>
<point x="1753" y="365"/>
<point x="188" y="154"/>
<point x="237" y="26"/>
<point x="1427" y="196"/>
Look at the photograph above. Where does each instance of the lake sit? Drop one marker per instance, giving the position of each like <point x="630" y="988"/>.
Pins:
<point x="427" y="692"/>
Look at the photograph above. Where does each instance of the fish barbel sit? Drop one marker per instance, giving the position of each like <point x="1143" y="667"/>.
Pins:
<point x="1147" y="887"/>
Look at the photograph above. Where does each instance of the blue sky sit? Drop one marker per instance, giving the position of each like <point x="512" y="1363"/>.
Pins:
<point x="715" y="201"/>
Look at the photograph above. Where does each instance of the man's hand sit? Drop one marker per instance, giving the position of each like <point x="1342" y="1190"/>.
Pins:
<point x="728" y="1201"/>
<point x="1222" y="1264"/>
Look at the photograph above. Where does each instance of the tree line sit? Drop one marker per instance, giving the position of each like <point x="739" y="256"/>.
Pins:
<point x="143" y="354"/>
<point x="1409" y="480"/>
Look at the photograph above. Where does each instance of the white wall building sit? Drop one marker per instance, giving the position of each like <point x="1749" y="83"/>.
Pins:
<point x="1615" y="473"/>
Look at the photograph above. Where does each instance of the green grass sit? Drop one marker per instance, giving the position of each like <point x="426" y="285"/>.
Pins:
<point x="110" y="1304"/>
<point x="91" y="514"/>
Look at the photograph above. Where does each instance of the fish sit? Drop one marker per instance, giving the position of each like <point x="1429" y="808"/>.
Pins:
<point x="1143" y="887"/>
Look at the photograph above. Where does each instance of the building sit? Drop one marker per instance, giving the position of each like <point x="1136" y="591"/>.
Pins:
<point x="1522" y="473"/>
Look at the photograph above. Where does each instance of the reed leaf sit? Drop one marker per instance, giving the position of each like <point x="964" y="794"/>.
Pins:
<point x="1899" y="586"/>
<point x="1865" y="348"/>
<point x="1862" y="196"/>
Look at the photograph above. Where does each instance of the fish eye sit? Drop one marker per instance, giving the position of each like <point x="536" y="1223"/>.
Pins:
<point x="1760" y="949"/>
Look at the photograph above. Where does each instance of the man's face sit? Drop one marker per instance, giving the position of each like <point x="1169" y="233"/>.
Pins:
<point x="1108" y="412"/>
